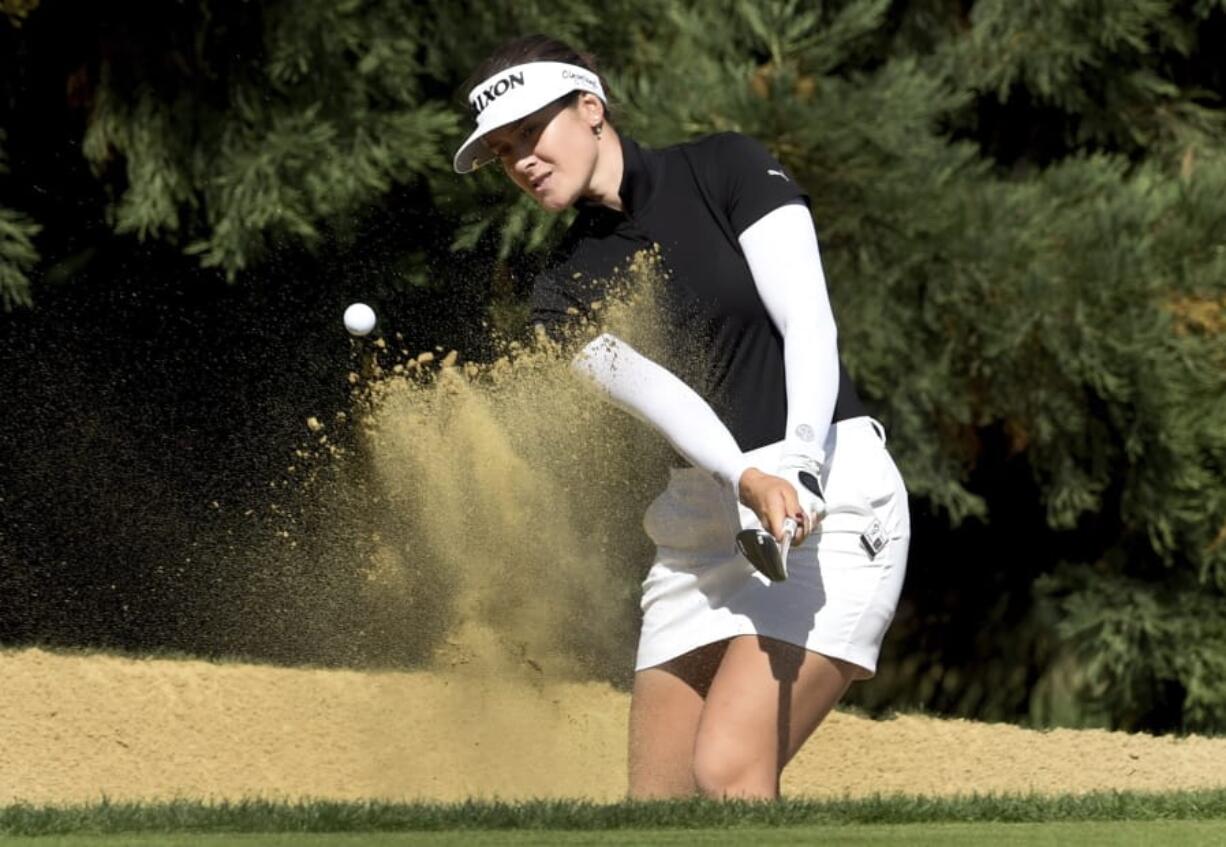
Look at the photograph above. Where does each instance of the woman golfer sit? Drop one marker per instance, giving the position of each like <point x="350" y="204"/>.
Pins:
<point x="734" y="670"/>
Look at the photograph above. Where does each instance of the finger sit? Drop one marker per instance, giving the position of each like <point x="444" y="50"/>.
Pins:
<point x="776" y="512"/>
<point x="791" y="505"/>
<point x="789" y="521"/>
<point x="803" y="528"/>
<point x="804" y="525"/>
<point x="791" y="528"/>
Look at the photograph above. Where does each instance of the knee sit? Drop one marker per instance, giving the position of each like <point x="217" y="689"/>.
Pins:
<point x="723" y="774"/>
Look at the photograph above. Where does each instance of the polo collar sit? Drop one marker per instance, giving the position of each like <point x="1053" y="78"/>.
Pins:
<point x="642" y="169"/>
<point x="641" y="172"/>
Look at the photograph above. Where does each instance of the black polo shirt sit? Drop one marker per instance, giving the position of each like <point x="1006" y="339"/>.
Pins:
<point x="712" y="330"/>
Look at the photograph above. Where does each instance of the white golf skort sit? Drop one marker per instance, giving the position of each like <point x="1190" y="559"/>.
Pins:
<point x="839" y="597"/>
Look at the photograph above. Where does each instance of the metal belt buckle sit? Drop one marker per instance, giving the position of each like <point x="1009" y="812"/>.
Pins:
<point x="873" y="538"/>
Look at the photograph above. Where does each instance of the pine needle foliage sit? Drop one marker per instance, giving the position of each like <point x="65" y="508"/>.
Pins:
<point x="17" y="10"/>
<point x="324" y="111"/>
<point x="18" y="255"/>
<point x="1134" y="640"/>
<point x="1112" y="65"/>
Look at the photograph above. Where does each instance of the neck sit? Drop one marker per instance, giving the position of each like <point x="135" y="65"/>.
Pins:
<point x="607" y="178"/>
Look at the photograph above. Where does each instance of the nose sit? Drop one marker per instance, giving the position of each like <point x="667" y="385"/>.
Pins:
<point x="525" y="163"/>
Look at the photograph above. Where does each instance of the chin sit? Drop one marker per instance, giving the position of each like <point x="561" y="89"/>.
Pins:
<point x="552" y="204"/>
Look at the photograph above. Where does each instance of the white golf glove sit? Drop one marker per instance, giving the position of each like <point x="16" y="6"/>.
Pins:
<point x="805" y="475"/>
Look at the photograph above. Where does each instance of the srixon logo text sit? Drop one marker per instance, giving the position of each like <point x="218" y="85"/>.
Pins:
<point x="488" y="95"/>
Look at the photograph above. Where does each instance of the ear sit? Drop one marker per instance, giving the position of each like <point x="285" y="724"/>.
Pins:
<point x="591" y="108"/>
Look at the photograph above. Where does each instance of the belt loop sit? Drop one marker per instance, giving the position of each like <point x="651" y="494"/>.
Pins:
<point x="878" y="428"/>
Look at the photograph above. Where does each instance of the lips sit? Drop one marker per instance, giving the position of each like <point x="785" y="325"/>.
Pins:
<point x="540" y="182"/>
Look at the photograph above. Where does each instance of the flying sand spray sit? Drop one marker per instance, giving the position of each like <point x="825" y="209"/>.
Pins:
<point x="512" y="496"/>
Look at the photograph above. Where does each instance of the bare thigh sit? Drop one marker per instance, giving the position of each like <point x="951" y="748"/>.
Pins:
<point x="764" y="702"/>
<point x="665" y="708"/>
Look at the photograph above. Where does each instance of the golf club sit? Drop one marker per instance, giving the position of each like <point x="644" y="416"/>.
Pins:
<point x="765" y="553"/>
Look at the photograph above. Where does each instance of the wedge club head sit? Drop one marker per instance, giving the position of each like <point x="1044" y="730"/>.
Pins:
<point x="765" y="553"/>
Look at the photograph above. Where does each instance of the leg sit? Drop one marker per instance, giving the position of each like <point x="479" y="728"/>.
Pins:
<point x="766" y="699"/>
<point x="665" y="707"/>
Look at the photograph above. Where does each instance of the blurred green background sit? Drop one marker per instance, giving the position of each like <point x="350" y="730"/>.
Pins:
<point x="1022" y="211"/>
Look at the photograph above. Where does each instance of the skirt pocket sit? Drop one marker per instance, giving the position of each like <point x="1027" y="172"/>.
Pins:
<point x="864" y="488"/>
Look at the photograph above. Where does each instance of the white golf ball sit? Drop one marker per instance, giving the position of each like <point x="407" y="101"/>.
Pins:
<point x="359" y="319"/>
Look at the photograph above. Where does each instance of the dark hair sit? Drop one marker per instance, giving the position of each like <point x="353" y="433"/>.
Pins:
<point x="537" y="48"/>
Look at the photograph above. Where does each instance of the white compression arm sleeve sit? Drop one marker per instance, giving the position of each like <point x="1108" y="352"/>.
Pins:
<point x="782" y="253"/>
<point x="781" y="249"/>
<point x="655" y="395"/>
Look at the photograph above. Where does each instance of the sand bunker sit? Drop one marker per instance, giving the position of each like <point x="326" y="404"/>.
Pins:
<point x="77" y="727"/>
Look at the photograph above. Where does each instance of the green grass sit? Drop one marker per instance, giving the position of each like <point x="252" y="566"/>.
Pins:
<point x="1083" y="834"/>
<point x="260" y="816"/>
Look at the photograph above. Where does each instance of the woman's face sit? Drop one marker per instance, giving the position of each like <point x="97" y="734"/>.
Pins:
<point x="551" y="154"/>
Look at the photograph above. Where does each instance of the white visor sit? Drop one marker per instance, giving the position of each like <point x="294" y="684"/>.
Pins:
<point x="516" y="93"/>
